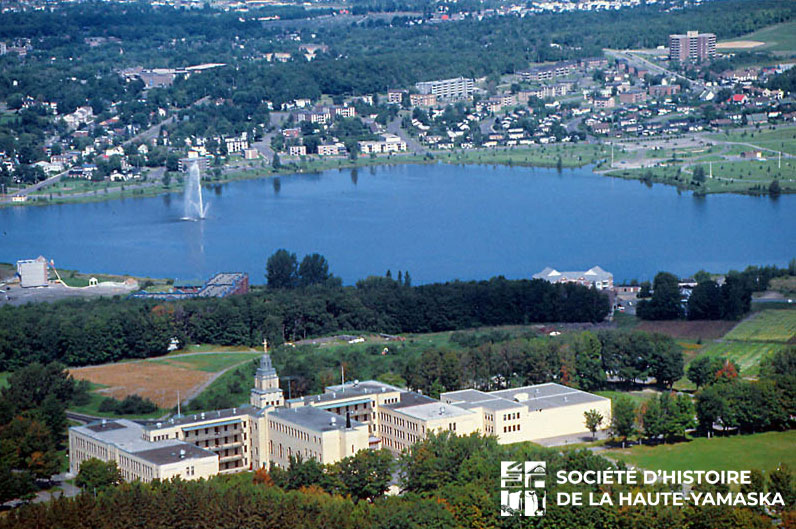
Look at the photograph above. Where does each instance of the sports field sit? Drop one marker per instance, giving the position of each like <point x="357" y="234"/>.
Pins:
<point x="778" y="38"/>
<point x="764" y="451"/>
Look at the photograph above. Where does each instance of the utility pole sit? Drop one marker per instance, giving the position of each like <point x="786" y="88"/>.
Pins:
<point x="711" y="169"/>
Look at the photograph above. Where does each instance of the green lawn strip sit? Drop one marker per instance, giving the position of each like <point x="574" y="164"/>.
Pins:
<point x="763" y="451"/>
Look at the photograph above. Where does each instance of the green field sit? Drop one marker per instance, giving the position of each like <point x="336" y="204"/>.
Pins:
<point x="747" y="355"/>
<point x="779" y="38"/>
<point x="763" y="451"/>
<point x="766" y="326"/>
<point x="571" y="155"/>
<point x="638" y="397"/>
<point x="780" y="139"/>
<point x="211" y="363"/>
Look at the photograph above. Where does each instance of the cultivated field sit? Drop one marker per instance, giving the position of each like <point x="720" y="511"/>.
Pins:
<point x="747" y="355"/>
<point x="767" y="326"/>
<point x="763" y="451"/>
<point x="160" y="379"/>
<point x="688" y="330"/>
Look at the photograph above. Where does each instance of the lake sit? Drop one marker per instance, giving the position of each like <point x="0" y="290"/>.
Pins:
<point x="439" y="222"/>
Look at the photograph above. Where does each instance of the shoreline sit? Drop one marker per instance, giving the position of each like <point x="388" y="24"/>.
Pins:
<point x="507" y="157"/>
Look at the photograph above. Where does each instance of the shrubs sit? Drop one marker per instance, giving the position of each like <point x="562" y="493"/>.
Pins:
<point x="131" y="405"/>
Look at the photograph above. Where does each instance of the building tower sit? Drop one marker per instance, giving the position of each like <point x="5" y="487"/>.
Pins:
<point x="266" y="392"/>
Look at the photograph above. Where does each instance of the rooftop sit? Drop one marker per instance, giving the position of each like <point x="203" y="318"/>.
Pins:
<point x="174" y="453"/>
<point x="431" y="410"/>
<point x="546" y="396"/>
<point x="127" y="436"/>
<point x="313" y="418"/>
<point x="209" y="417"/>
<point x="349" y="390"/>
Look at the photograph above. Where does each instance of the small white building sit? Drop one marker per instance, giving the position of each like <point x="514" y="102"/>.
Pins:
<point x="32" y="272"/>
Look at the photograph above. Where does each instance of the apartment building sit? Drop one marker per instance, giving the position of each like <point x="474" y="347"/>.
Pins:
<point x="388" y="143"/>
<point x="448" y="89"/>
<point x="422" y="100"/>
<point x="693" y="46"/>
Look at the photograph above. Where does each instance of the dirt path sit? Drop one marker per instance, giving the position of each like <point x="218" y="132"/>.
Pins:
<point x="199" y="389"/>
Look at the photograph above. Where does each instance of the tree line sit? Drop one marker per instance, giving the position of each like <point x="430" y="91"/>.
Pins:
<point x="724" y="402"/>
<point x="80" y="332"/>
<point x="588" y="360"/>
<point x="447" y="482"/>
<point x="707" y="300"/>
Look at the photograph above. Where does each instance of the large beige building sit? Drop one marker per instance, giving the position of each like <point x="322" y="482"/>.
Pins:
<point x="125" y="442"/>
<point x="338" y="423"/>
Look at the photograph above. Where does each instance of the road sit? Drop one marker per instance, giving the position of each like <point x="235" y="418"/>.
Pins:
<point x="394" y="127"/>
<point x="652" y="67"/>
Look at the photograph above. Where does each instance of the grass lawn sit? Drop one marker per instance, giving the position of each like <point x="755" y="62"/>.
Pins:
<point x="572" y="155"/>
<point x="763" y="451"/>
<point x="780" y="139"/>
<point x="637" y="396"/>
<point x="209" y="362"/>
<point x="767" y="326"/>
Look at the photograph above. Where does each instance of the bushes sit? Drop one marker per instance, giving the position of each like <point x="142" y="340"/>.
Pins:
<point x="131" y="405"/>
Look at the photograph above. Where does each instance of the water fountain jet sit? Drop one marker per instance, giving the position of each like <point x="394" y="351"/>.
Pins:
<point x="194" y="206"/>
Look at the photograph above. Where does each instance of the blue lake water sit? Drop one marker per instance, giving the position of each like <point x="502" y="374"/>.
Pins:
<point x="440" y="222"/>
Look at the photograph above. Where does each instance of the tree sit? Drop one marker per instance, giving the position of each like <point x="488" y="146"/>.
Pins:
<point x="589" y="371"/>
<point x="282" y="269"/>
<point x="665" y="303"/>
<point x="593" y="421"/>
<point x="774" y="189"/>
<point x="705" y="301"/>
<point x="96" y="475"/>
<point x="365" y="475"/>
<point x="276" y="163"/>
<point x="699" y="174"/>
<point x="711" y="407"/>
<point x="702" y="370"/>
<point x="623" y="417"/>
<point x="781" y="480"/>
<point x="666" y="361"/>
<point x="314" y="270"/>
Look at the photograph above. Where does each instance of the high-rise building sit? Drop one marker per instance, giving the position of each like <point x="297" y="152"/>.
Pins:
<point x="693" y="47"/>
